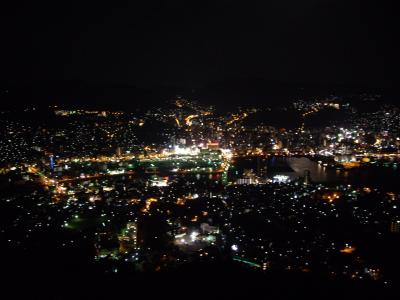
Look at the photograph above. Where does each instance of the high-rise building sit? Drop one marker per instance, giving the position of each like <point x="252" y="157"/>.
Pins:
<point x="395" y="226"/>
<point x="132" y="232"/>
<point x="52" y="163"/>
<point x="118" y="151"/>
<point x="213" y="146"/>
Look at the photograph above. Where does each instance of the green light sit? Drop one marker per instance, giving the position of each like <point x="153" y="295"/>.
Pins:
<point x="247" y="262"/>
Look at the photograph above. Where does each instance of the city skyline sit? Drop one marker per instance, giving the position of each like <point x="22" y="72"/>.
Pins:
<point x="211" y="149"/>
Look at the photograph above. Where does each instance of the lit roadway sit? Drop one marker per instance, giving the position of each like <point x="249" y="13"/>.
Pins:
<point x="50" y="181"/>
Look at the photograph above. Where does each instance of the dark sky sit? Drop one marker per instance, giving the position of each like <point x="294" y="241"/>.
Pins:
<point x="194" y="43"/>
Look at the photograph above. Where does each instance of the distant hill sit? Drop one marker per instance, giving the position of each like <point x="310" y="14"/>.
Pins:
<point x="224" y="95"/>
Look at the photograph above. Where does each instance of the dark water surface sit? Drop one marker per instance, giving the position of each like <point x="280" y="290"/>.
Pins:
<point x="383" y="177"/>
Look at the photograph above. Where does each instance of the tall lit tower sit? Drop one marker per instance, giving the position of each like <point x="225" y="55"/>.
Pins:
<point x="51" y="158"/>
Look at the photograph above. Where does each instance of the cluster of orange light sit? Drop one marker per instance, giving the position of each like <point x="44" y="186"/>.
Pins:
<point x="348" y="250"/>
<point x="188" y="119"/>
<point x="367" y="189"/>
<point x="236" y="118"/>
<point x="391" y="195"/>
<point x="351" y="164"/>
<point x="134" y="201"/>
<point x="148" y="204"/>
<point x="180" y="201"/>
<point x="331" y="196"/>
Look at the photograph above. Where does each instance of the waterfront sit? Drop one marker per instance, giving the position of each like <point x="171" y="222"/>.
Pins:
<point x="383" y="177"/>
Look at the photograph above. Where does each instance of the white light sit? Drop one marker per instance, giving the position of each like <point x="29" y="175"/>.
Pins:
<point x="280" y="178"/>
<point x="186" y="151"/>
<point x="234" y="247"/>
<point x="194" y="235"/>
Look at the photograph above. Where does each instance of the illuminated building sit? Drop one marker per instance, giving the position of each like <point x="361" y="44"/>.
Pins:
<point x="128" y="239"/>
<point x="213" y="146"/>
<point x="132" y="232"/>
<point x="248" y="178"/>
<point x="159" y="181"/>
<point x="118" y="151"/>
<point x="244" y="181"/>
<point x="281" y="179"/>
<point x="51" y="163"/>
<point x="395" y="226"/>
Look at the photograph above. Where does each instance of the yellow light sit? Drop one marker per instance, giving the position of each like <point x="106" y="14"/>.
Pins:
<point x="348" y="250"/>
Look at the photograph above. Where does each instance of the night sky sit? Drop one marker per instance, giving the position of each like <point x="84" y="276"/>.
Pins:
<point x="195" y="43"/>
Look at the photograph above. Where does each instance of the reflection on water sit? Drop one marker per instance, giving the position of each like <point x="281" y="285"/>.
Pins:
<point x="318" y="172"/>
<point x="382" y="177"/>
